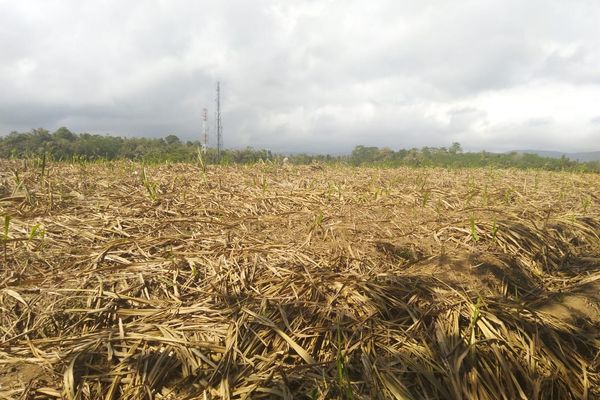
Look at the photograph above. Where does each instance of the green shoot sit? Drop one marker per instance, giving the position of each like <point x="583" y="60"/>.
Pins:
<point x="508" y="195"/>
<point x="18" y="182"/>
<point x="426" y="197"/>
<point x="474" y="317"/>
<point x="264" y="184"/>
<point x="318" y="221"/>
<point x="36" y="232"/>
<point x="150" y="186"/>
<point x="474" y="234"/>
<point x="494" y="229"/>
<point x="376" y="193"/>
<point x="585" y="203"/>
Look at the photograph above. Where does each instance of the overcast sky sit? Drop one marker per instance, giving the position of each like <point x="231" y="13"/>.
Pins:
<point x="309" y="75"/>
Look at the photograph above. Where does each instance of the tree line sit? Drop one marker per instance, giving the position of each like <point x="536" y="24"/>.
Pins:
<point x="455" y="157"/>
<point x="64" y="145"/>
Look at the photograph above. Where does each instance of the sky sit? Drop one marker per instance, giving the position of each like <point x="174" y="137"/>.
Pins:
<point x="308" y="75"/>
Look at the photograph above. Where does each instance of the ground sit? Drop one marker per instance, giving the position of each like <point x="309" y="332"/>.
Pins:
<point x="119" y="280"/>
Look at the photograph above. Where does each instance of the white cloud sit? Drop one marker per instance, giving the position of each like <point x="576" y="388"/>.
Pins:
<point x="308" y="75"/>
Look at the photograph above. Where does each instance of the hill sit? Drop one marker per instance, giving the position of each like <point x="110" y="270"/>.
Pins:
<point x="581" y="156"/>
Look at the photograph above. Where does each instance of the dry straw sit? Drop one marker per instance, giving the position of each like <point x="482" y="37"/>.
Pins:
<point x="123" y="281"/>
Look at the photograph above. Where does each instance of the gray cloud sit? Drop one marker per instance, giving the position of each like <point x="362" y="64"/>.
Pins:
<point x="308" y="75"/>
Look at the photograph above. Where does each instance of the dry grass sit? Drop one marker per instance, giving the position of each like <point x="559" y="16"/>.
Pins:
<point x="297" y="282"/>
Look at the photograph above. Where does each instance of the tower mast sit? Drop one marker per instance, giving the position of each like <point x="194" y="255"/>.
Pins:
<point x="219" y="123"/>
<point x="205" y="128"/>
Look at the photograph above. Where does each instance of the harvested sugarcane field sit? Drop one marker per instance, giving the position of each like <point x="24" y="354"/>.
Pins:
<point x="120" y="280"/>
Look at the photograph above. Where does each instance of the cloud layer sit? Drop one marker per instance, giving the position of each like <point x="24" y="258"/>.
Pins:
<point x="312" y="75"/>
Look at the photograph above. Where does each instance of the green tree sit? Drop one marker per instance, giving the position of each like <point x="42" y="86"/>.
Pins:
<point x="172" y="140"/>
<point x="65" y="134"/>
<point x="455" y="148"/>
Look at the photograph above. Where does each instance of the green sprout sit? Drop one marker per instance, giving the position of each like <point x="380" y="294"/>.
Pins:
<point x="474" y="234"/>
<point x="150" y="186"/>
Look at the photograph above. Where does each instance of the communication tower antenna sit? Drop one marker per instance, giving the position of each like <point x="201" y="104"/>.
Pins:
<point x="205" y="128"/>
<point x="219" y="123"/>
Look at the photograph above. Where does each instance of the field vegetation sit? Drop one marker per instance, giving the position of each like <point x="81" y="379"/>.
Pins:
<point x="64" y="145"/>
<point x="120" y="280"/>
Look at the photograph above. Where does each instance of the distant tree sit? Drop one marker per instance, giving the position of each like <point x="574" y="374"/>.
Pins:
<point x="172" y="140"/>
<point x="455" y="148"/>
<point x="361" y="155"/>
<point x="63" y="133"/>
<point x="64" y="145"/>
